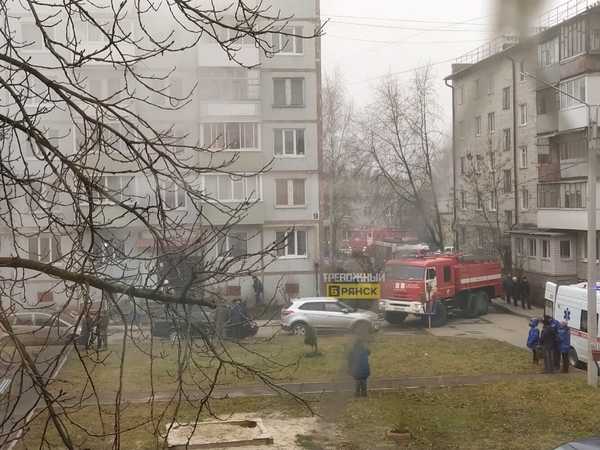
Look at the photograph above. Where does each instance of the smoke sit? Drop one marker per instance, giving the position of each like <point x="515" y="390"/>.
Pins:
<point x="516" y="17"/>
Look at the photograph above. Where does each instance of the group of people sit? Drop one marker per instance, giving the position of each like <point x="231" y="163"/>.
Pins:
<point x="94" y="330"/>
<point x="554" y="343"/>
<point x="517" y="289"/>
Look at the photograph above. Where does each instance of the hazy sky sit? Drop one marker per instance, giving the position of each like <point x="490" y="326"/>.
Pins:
<point x="421" y="32"/>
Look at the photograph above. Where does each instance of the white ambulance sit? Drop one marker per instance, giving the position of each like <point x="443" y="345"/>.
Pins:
<point x="569" y="303"/>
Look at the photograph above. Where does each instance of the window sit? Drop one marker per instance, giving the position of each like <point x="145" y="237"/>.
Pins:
<point x="522" y="70"/>
<point x="289" y="142"/>
<point x="447" y="274"/>
<point x="173" y="195"/>
<point x="572" y="93"/>
<point x="290" y="192"/>
<point x="463" y="200"/>
<point x="565" y="249"/>
<point x="491" y="123"/>
<point x="430" y="273"/>
<point x="234" y="245"/>
<point x="312" y="306"/>
<point x="583" y="323"/>
<point x="523" y="114"/>
<point x="573" y="149"/>
<point x="480" y="238"/>
<point x="32" y="150"/>
<point x="119" y="188"/>
<point x="477" y="88"/>
<point x="506" y="140"/>
<point x="461" y="129"/>
<point x="531" y="248"/>
<point x="545" y="249"/>
<point x="44" y="248"/>
<point x="108" y="249"/>
<point x="462" y="165"/>
<point x="491" y="83"/>
<point x="506" y="98"/>
<point x="507" y="181"/>
<point x="572" y="39"/>
<point x="288" y="92"/>
<point x="230" y="135"/>
<point x="479" y="202"/>
<point x="478" y="126"/>
<point x="461" y="95"/>
<point x="284" y="44"/>
<point x="233" y="188"/>
<point x="541" y="104"/>
<point x="508" y="217"/>
<point x="548" y="53"/>
<point x="291" y="243"/>
<point x="523" y="157"/>
<point x="519" y="246"/>
<point x="595" y="39"/>
<point x="492" y="161"/>
<point x="228" y="83"/>
<point x="524" y="199"/>
<point x="564" y="195"/>
<point x="479" y="166"/>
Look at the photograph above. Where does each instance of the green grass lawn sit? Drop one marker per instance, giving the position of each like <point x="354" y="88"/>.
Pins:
<point x="524" y="415"/>
<point x="284" y="359"/>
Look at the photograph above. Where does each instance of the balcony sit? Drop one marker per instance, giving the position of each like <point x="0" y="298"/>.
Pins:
<point x="212" y="55"/>
<point x="562" y="206"/>
<point x="216" y="108"/>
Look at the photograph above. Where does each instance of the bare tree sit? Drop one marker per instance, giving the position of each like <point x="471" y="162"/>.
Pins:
<point x="402" y="135"/>
<point x="125" y="216"/>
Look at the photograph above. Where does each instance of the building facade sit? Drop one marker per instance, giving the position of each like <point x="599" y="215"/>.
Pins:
<point x="540" y="141"/>
<point x="263" y="119"/>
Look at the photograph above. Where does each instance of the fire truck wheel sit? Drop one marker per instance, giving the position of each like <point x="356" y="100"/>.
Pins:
<point x="482" y="303"/>
<point x="440" y="318"/>
<point x="471" y="308"/>
<point x="395" y="318"/>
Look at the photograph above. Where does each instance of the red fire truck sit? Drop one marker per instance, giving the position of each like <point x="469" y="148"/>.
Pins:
<point x="431" y="285"/>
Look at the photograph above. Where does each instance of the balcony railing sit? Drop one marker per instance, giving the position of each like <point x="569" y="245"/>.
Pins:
<point x="564" y="11"/>
<point x="562" y="195"/>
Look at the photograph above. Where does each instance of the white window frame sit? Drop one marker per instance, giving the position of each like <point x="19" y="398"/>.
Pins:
<point x="478" y="126"/>
<point x="524" y="199"/>
<point x="463" y="199"/>
<point x="212" y="142"/>
<point x="491" y="123"/>
<point x="288" y="93"/>
<point x="294" y="45"/>
<point x="523" y="119"/>
<point x="531" y="254"/>
<point x="493" y="206"/>
<point x="132" y="186"/>
<point x="523" y="157"/>
<point x="522" y="76"/>
<point x="285" y="248"/>
<point x="54" y="247"/>
<point x="257" y="197"/>
<point x="224" y="247"/>
<point x="546" y="249"/>
<point x="284" y="150"/>
<point x="519" y="246"/>
<point x="506" y="140"/>
<point x="566" y="258"/>
<point x="168" y="188"/>
<point x="290" y="193"/>
<point x="506" y="101"/>
<point x="574" y="87"/>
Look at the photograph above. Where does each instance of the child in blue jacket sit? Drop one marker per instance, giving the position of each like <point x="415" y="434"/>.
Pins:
<point x="564" y="339"/>
<point x="533" y="339"/>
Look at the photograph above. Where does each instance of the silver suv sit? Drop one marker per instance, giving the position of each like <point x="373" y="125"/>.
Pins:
<point x="326" y="313"/>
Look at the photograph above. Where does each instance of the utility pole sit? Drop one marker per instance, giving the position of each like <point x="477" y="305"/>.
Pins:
<point x="592" y="272"/>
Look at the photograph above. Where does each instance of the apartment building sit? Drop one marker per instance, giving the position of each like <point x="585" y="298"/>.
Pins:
<point x="263" y="117"/>
<point x="554" y="73"/>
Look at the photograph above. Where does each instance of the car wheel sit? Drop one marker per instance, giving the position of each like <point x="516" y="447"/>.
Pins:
<point x="299" y="328"/>
<point x="361" y="328"/>
<point x="395" y="318"/>
<point x="482" y="303"/>
<point x="440" y="318"/>
<point x="574" y="359"/>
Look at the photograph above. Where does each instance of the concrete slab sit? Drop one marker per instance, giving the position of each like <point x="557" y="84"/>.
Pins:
<point x="218" y="434"/>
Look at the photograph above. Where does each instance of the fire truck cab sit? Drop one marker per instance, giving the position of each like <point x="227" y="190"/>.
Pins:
<point x="432" y="285"/>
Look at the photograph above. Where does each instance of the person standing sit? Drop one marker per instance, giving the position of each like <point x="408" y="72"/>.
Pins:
<point x="564" y="338"/>
<point x="358" y="364"/>
<point x="258" y="290"/>
<point x="102" y="330"/>
<point x="516" y="290"/>
<point x="533" y="339"/>
<point x="507" y="284"/>
<point x="524" y="291"/>
<point x="235" y="319"/>
<point x="548" y="343"/>
<point x="554" y="324"/>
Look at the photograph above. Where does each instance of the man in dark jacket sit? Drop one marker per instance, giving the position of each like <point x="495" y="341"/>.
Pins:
<point x="508" y="286"/>
<point x="554" y="324"/>
<point x="564" y="338"/>
<point x="358" y="363"/>
<point x="533" y="339"/>
<point x="548" y="343"/>
<point x="258" y="290"/>
<point x="524" y="291"/>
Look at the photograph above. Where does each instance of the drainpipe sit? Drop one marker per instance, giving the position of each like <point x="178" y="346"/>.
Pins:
<point x="515" y="128"/>
<point x="454" y="209"/>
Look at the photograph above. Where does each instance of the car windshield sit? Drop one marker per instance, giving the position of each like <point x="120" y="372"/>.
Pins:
<point x="403" y="272"/>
